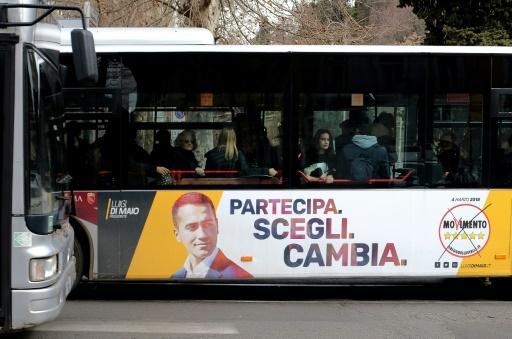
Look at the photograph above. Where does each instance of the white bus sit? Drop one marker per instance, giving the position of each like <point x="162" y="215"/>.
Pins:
<point x="37" y="266"/>
<point x="352" y="162"/>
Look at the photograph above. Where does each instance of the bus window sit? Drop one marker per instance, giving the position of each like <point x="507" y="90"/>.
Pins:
<point x="501" y="136"/>
<point x="156" y="102"/>
<point x="93" y="124"/>
<point x="93" y="151"/>
<point x="502" y="156"/>
<point x="193" y="142"/>
<point x="260" y="141"/>
<point x="360" y="139"/>
<point x="455" y="156"/>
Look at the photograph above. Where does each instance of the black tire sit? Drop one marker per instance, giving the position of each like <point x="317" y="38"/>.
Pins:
<point x="79" y="266"/>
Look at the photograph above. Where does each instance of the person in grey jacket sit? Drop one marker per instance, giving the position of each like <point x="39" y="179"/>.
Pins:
<point x="363" y="158"/>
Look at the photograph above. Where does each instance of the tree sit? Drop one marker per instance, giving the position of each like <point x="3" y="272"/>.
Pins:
<point x="270" y="21"/>
<point x="333" y="22"/>
<point x="318" y="22"/>
<point x="183" y="13"/>
<point x="392" y="25"/>
<point x="465" y="22"/>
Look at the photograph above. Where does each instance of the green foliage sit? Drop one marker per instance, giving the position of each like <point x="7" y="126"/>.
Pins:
<point x="468" y="37"/>
<point x="465" y="22"/>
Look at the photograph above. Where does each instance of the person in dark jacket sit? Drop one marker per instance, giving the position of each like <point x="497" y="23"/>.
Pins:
<point x="347" y="133"/>
<point x="77" y="150"/>
<point x="184" y="157"/>
<point x="384" y="129"/>
<point x="226" y="156"/>
<point x="448" y="155"/>
<point x="163" y="152"/>
<point x="140" y="164"/>
<point x="259" y="154"/>
<point x="320" y="160"/>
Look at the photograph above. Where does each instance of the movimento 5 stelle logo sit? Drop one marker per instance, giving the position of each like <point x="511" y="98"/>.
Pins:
<point x="464" y="230"/>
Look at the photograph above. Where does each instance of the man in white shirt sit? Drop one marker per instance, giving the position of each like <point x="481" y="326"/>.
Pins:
<point x="196" y="226"/>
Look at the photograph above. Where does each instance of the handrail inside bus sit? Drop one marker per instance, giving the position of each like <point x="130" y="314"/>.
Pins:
<point x="178" y="176"/>
<point x="179" y="173"/>
<point x="317" y="180"/>
<point x="400" y="179"/>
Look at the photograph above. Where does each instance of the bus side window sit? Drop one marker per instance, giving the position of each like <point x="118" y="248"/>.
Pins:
<point x="502" y="153"/>
<point x="455" y="159"/>
<point x="347" y="143"/>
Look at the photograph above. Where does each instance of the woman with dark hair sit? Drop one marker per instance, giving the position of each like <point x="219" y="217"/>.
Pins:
<point x="184" y="157"/>
<point x="320" y="160"/>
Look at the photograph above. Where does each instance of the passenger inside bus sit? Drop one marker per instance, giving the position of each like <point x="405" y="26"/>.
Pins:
<point x="363" y="159"/>
<point x="184" y="158"/>
<point x="456" y="162"/>
<point x="259" y="154"/>
<point x="104" y="157"/>
<point x="277" y="149"/>
<point x="505" y="170"/>
<point x="141" y="168"/>
<point x="448" y="155"/>
<point x="383" y="128"/>
<point x="163" y="152"/>
<point x="320" y="159"/>
<point x="76" y="149"/>
<point x="226" y="156"/>
<point x="347" y="133"/>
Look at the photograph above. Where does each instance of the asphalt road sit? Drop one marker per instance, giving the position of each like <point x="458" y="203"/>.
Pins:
<point x="453" y="310"/>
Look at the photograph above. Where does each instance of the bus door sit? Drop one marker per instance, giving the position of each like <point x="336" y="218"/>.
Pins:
<point x="501" y="134"/>
<point x="7" y="47"/>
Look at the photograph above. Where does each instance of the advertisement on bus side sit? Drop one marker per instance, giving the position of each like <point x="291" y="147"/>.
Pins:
<point x="298" y="234"/>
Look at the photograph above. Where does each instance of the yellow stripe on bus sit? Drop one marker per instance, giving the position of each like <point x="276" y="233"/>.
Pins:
<point x="499" y="215"/>
<point x="108" y="209"/>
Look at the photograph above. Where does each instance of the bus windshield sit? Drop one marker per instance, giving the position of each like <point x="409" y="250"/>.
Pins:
<point x="46" y="148"/>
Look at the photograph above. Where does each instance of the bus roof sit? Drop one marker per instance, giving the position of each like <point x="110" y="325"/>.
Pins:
<point x="121" y="37"/>
<point x="161" y="39"/>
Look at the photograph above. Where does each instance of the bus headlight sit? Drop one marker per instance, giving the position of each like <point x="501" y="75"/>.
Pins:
<point x="43" y="268"/>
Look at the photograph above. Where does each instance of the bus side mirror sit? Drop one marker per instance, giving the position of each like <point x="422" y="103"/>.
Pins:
<point x="84" y="56"/>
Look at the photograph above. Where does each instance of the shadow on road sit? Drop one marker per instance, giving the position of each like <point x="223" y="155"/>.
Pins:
<point x="468" y="289"/>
